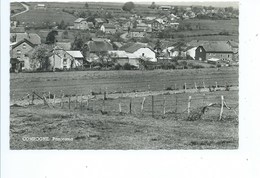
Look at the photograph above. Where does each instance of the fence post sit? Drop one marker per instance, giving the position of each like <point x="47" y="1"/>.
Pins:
<point x="176" y="103"/>
<point x="152" y="106"/>
<point x="119" y="105"/>
<point x="103" y="105"/>
<point x="195" y="85"/>
<point x="28" y="99"/>
<point x="204" y="86"/>
<point x="62" y="102"/>
<point x="142" y="106"/>
<point x="164" y="101"/>
<point x="130" y="106"/>
<point x="87" y="102"/>
<point x="216" y="85"/>
<point x="76" y="101"/>
<point x="204" y="97"/>
<point x="105" y="96"/>
<point x="33" y="98"/>
<point x="81" y="102"/>
<point x="175" y="87"/>
<point x="185" y="87"/>
<point x="49" y="96"/>
<point x="54" y="98"/>
<point x="221" y="109"/>
<point x="69" y="101"/>
<point x="189" y="101"/>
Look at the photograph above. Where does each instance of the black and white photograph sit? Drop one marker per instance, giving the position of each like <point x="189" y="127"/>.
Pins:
<point x="124" y="75"/>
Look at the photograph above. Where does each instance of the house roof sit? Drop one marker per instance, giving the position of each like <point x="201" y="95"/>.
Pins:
<point x="22" y="41"/>
<point x="132" y="47"/>
<point x="64" y="45"/>
<point x="17" y="30"/>
<point x="217" y="47"/>
<point x="99" y="20"/>
<point x="137" y="30"/>
<point x="79" y="20"/>
<point x="118" y="44"/>
<point x="109" y="26"/>
<point x="32" y="37"/>
<point x="75" y="54"/>
<point x="118" y="54"/>
<point x="233" y="43"/>
<point x="99" y="46"/>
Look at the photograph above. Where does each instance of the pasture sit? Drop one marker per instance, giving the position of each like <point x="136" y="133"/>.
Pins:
<point x="100" y="124"/>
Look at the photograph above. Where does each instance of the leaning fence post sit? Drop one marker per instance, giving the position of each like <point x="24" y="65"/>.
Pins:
<point x="221" y="109"/>
<point x="189" y="101"/>
<point x="164" y="101"/>
<point x="130" y="106"/>
<point x="142" y="106"/>
<point x="152" y="106"/>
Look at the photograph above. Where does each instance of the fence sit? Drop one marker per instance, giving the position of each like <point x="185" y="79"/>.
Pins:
<point x="191" y="104"/>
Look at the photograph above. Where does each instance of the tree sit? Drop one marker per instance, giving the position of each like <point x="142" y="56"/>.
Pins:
<point x="39" y="58"/>
<point x="86" y="5"/>
<point x="62" y="25"/>
<point x="128" y="6"/>
<point x="65" y="34"/>
<point x="51" y="37"/>
<point x="77" y="44"/>
<point x="82" y="14"/>
<point x="152" y="6"/>
<point x="158" y="47"/>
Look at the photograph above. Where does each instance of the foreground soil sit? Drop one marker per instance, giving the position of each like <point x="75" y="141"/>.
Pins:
<point x="65" y="129"/>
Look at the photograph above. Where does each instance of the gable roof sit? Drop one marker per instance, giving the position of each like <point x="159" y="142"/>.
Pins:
<point x="217" y="47"/>
<point x="99" y="20"/>
<point x="132" y="47"/>
<point x="79" y="20"/>
<point x="75" y="54"/>
<point x="109" y="26"/>
<point x="23" y="41"/>
<point x="233" y="43"/>
<point x="118" y="54"/>
<point x="99" y="46"/>
<point x="32" y="37"/>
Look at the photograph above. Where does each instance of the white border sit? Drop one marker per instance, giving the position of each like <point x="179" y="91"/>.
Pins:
<point x="243" y="162"/>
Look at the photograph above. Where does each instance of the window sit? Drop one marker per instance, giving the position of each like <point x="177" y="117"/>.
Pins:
<point x="24" y="46"/>
<point x="200" y="50"/>
<point x="18" y="52"/>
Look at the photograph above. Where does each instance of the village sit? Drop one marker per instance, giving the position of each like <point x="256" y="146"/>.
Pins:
<point x="107" y="42"/>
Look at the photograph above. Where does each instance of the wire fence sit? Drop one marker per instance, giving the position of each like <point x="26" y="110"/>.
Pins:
<point x="217" y="103"/>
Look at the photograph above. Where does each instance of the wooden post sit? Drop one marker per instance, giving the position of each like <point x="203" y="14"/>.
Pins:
<point x="142" y="106"/>
<point x="28" y="96"/>
<point x="222" y="106"/>
<point x="149" y="88"/>
<point x="105" y="96"/>
<point x="49" y="96"/>
<point x="103" y="105"/>
<point x="185" y="87"/>
<point x="152" y="106"/>
<point x="204" y="86"/>
<point x="130" y="106"/>
<point x="76" y="101"/>
<point x="204" y="97"/>
<point x="54" y="99"/>
<point x="216" y="85"/>
<point x="81" y="100"/>
<point x="119" y="105"/>
<point x="62" y="102"/>
<point x="33" y="98"/>
<point x="87" y="101"/>
<point x="189" y="101"/>
<point x="121" y="92"/>
<point x="195" y="85"/>
<point x="176" y="103"/>
<point x="175" y="87"/>
<point x="164" y="101"/>
<point x="69" y="101"/>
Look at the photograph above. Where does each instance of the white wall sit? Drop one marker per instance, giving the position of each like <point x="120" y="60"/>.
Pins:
<point x="148" y="53"/>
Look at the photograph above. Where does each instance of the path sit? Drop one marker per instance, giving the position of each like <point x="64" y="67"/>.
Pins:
<point x="26" y="9"/>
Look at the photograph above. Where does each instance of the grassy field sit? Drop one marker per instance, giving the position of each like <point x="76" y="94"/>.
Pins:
<point x="38" y="16"/>
<point x="83" y="82"/>
<point x="99" y="125"/>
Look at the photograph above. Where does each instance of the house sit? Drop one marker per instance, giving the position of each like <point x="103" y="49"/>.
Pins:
<point x="234" y="45"/>
<point x="108" y="28"/>
<point x="19" y="55"/>
<point x="128" y="25"/>
<point x="117" y="45"/>
<point x="136" y="33"/>
<point x="96" y="48"/>
<point x="61" y="59"/>
<point x="81" y="24"/>
<point x="141" y="50"/>
<point x="220" y="50"/>
<point x="158" y="24"/>
<point x="174" y="25"/>
<point x="99" y="22"/>
<point x="40" y="6"/>
<point x="122" y="58"/>
<point x="214" y="61"/>
<point x="142" y="26"/>
<point x="191" y="52"/>
<point x="166" y="8"/>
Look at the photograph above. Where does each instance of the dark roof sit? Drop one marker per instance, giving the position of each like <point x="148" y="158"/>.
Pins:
<point x="99" y="46"/>
<point x="137" y="30"/>
<point x="132" y="47"/>
<point x="233" y="43"/>
<point x="32" y="37"/>
<point x="79" y="20"/>
<point x="22" y="41"/>
<point x="217" y="47"/>
<point x="109" y="26"/>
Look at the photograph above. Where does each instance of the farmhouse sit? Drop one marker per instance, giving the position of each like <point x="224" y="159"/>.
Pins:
<point x="19" y="57"/>
<point x="141" y="50"/>
<point x="61" y="59"/>
<point x="122" y="58"/>
<point x="220" y="50"/>
<point x="96" y="48"/>
<point x="136" y="33"/>
<point x="81" y="24"/>
<point x="40" y="6"/>
<point x="158" y="24"/>
<point x="32" y="37"/>
<point x="99" y="22"/>
<point x="108" y="28"/>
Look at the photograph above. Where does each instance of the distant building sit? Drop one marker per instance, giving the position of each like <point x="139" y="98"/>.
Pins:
<point x="32" y="37"/>
<point x="40" y="6"/>
<point x="99" y="22"/>
<point x="136" y="33"/>
<point x="220" y="50"/>
<point x="81" y="24"/>
<point x="166" y="8"/>
<point x="158" y="24"/>
<point x="108" y="28"/>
